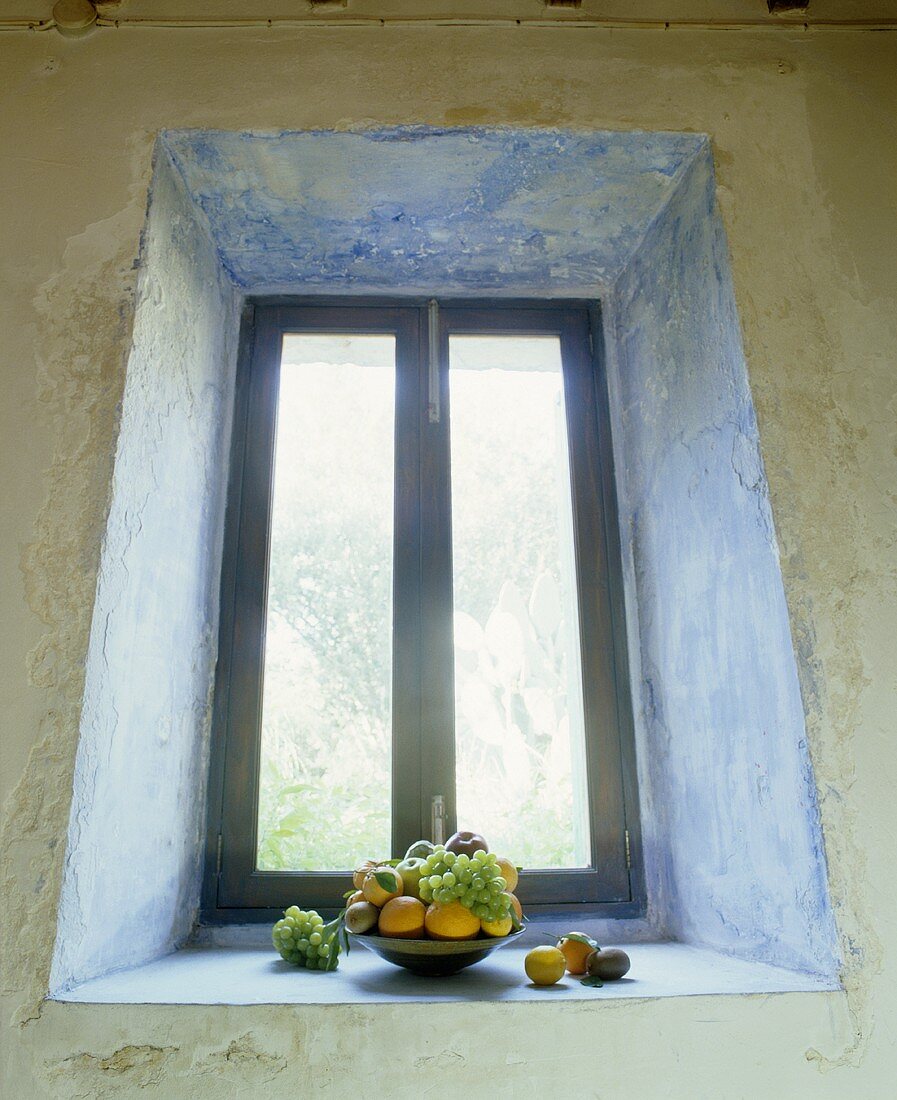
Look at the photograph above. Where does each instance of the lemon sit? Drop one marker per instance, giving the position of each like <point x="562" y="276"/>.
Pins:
<point x="497" y="927"/>
<point x="545" y="965"/>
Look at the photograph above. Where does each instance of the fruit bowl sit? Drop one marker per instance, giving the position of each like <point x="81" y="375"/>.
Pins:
<point x="433" y="958"/>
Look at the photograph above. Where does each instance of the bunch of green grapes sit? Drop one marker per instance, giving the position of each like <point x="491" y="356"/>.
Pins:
<point x="303" y="939"/>
<point x="474" y="880"/>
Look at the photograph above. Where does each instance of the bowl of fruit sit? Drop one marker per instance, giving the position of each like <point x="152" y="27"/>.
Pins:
<point x="440" y="909"/>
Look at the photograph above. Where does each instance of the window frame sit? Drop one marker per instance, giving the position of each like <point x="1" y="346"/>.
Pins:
<point x="423" y="715"/>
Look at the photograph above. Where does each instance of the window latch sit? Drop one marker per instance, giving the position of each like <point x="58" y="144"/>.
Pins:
<point x="437" y="818"/>
<point x="433" y="364"/>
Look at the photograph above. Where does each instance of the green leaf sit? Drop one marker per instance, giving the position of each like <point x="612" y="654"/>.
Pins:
<point x="592" y="980"/>
<point x="387" y="880"/>
<point x="578" y="937"/>
<point x="295" y="788"/>
<point x="349" y="893"/>
<point x="516" y="922"/>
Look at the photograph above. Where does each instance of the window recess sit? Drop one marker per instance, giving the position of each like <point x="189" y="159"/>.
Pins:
<point x="421" y="612"/>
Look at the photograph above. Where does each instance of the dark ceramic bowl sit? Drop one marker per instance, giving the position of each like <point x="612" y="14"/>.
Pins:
<point x="433" y="958"/>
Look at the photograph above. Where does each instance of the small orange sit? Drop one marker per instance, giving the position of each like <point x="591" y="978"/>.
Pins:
<point x="403" y="918"/>
<point x="575" y="952"/>
<point x="360" y="871"/>
<point x="379" y="892"/>
<point x="451" y="922"/>
<point x="516" y="906"/>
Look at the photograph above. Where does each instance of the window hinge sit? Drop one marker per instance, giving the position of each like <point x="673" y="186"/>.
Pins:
<point x="218" y="855"/>
<point x="628" y="851"/>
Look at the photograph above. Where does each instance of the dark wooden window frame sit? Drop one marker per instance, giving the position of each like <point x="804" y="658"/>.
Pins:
<point x="423" y="706"/>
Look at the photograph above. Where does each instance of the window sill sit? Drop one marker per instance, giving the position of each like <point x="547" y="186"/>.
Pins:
<point x="253" y="975"/>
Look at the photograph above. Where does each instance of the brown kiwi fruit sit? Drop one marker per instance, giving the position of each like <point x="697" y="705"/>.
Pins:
<point x="608" y="963"/>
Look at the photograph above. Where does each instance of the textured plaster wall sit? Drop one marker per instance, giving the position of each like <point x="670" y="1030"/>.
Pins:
<point x="733" y="852"/>
<point x="803" y="133"/>
<point x="131" y="888"/>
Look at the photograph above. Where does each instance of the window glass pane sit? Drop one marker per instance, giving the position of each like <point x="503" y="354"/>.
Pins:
<point x="521" y="777"/>
<point x="326" y="718"/>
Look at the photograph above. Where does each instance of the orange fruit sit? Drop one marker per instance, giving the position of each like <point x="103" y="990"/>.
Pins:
<point x="353" y="898"/>
<point x="576" y="954"/>
<point x="377" y="892"/>
<point x="403" y="918"/>
<point x="360" y="871"/>
<point x="497" y="927"/>
<point x="544" y="965"/>
<point x="516" y="906"/>
<point x="508" y="872"/>
<point x="451" y="922"/>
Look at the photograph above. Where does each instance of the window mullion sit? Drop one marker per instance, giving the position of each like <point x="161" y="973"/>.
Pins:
<point x="437" y="718"/>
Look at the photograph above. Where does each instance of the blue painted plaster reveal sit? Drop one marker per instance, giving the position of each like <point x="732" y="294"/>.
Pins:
<point x="733" y="845"/>
<point x="422" y="209"/>
<point x="732" y="836"/>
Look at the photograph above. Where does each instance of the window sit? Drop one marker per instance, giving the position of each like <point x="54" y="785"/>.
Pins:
<point x="420" y="601"/>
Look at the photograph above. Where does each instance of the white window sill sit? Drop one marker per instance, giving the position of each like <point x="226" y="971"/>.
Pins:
<point x="250" y="975"/>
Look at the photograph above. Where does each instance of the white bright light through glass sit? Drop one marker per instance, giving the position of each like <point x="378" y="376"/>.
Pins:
<point x="325" y="784"/>
<point x="519" y="727"/>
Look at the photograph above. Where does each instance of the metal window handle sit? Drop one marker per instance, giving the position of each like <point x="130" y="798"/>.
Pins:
<point x="433" y="364"/>
<point x="437" y="818"/>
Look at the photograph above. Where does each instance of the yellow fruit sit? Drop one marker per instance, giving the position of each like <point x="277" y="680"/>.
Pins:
<point x="516" y="906"/>
<point x="353" y="898"/>
<point x="544" y="965"/>
<point x="379" y="893"/>
<point x="360" y="871"/>
<point x="576" y="953"/>
<point x="497" y="927"/>
<point x="508" y="872"/>
<point x="451" y="922"/>
<point x="403" y="918"/>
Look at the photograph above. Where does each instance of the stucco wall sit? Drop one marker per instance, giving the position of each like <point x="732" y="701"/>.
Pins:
<point x="804" y="139"/>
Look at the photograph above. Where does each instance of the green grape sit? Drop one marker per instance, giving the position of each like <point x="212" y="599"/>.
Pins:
<point x="448" y="879"/>
<point x="460" y="890"/>
<point x="464" y="875"/>
<point x="482" y="911"/>
<point x="468" y="901"/>
<point x="302" y="939"/>
<point x="494" y="888"/>
<point x="449" y="859"/>
<point x="463" y="859"/>
<point x="502" y="882"/>
<point x="435" y="881"/>
<point x="484" y="895"/>
<point x="477" y="883"/>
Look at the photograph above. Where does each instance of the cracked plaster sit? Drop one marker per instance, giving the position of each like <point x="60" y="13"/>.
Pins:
<point x="803" y="140"/>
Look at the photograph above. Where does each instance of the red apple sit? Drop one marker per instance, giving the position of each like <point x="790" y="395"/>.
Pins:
<point x="465" y="843"/>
